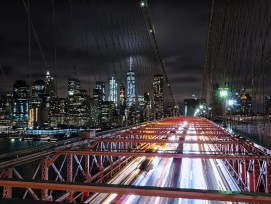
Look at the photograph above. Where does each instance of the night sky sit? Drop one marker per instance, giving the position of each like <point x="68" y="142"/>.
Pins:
<point x="181" y="29"/>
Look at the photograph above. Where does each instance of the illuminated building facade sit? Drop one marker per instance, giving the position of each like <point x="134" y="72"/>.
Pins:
<point x="50" y="95"/>
<point x="96" y="106"/>
<point x="122" y="104"/>
<point x="5" y="111"/>
<point x="74" y="87"/>
<point x="38" y="89"/>
<point x="131" y="97"/>
<point x="78" y="109"/>
<point x="147" y="109"/>
<point x="50" y="88"/>
<point x="98" y="96"/>
<point x="101" y="86"/>
<point x="59" y="112"/>
<point x="36" y="104"/>
<point x="245" y="103"/>
<point x="141" y="101"/>
<point x="139" y="113"/>
<point x="113" y="87"/>
<point x="122" y="95"/>
<point x="107" y="113"/>
<point x="20" y="104"/>
<point x="158" y="98"/>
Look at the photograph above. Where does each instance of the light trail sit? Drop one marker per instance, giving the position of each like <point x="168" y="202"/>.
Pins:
<point x="192" y="174"/>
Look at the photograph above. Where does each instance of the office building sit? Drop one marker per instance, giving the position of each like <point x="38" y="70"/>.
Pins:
<point x="101" y="86"/>
<point x="50" y="88"/>
<point x="158" y="98"/>
<point x="5" y="111"/>
<point x="74" y="87"/>
<point x="131" y="97"/>
<point x="113" y="88"/>
<point x="20" y="104"/>
<point x="122" y="95"/>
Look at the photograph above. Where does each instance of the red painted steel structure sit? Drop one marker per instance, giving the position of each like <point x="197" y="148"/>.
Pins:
<point x="146" y="191"/>
<point x="96" y="160"/>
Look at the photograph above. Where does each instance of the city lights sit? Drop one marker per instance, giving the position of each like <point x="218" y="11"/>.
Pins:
<point x="223" y="92"/>
<point x="231" y="102"/>
<point x="41" y="109"/>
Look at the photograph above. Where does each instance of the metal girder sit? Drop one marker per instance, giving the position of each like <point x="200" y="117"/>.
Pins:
<point x="7" y="190"/>
<point x="170" y="155"/>
<point x="24" y="159"/>
<point x="238" y="155"/>
<point x="144" y="191"/>
<point x="222" y="134"/>
<point x="44" y="177"/>
<point x="169" y="141"/>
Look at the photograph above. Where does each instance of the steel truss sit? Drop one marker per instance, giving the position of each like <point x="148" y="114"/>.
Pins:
<point x="76" y="168"/>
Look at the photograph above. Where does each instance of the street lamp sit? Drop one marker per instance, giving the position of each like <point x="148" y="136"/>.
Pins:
<point x="230" y="102"/>
<point x="224" y="94"/>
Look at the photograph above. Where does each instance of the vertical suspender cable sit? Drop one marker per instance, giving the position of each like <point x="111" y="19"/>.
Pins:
<point x="158" y="54"/>
<point x="29" y="50"/>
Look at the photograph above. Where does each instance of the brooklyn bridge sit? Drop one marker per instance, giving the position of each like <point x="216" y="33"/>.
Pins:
<point x="139" y="146"/>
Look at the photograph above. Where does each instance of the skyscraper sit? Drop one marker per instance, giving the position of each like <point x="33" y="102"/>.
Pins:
<point x="158" y="98"/>
<point x="131" y="99"/>
<point x="38" y="89"/>
<point x="20" y="104"/>
<point x="74" y="87"/>
<point x="122" y="95"/>
<point x="245" y="102"/>
<point x="97" y="96"/>
<point x="5" y="111"/>
<point x="141" y="101"/>
<point x="96" y="106"/>
<point x="50" y="88"/>
<point x="77" y="101"/>
<point x="147" y="110"/>
<point x="101" y="86"/>
<point x="113" y="90"/>
<point x="50" y="95"/>
<point x="35" y="115"/>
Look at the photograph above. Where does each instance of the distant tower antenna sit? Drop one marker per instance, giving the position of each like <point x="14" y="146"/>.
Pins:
<point x="75" y="72"/>
<point x="131" y="62"/>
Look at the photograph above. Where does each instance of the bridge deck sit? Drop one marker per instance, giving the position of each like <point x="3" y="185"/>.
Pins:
<point x="110" y="152"/>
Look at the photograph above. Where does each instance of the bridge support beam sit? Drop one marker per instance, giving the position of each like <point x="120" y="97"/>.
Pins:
<point x="268" y="177"/>
<point x="44" y="177"/>
<point x="251" y="181"/>
<point x="107" y="155"/>
<point x="70" y="172"/>
<point x="145" y="191"/>
<point x="7" y="190"/>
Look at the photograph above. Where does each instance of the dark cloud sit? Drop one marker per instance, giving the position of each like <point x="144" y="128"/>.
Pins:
<point x="180" y="28"/>
<point x="185" y="80"/>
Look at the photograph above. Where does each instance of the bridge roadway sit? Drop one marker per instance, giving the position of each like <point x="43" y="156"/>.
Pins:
<point x="171" y="172"/>
<point x="192" y="160"/>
